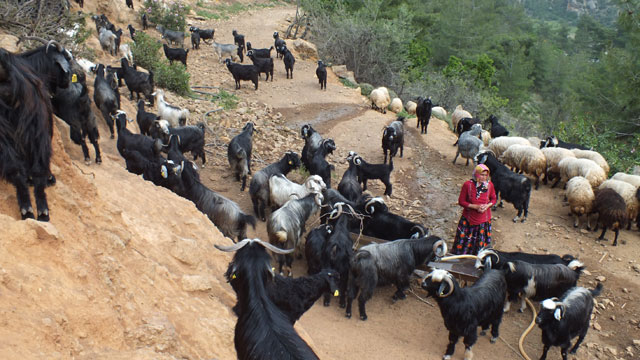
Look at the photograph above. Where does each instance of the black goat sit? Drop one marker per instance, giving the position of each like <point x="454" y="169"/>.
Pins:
<point x="190" y="137"/>
<point x="238" y="39"/>
<point x="26" y="129"/>
<point x="349" y="186"/>
<point x="132" y="31"/>
<point x="159" y="171"/>
<point x="118" y="71"/>
<point x="279" y="45"/>
<point x="129" y="4"/>
<point x="495" y="259"/>
<point x="240" y="53"/>
<point x="261" y="326"/>
<point x="138" y="81"/>
<point x="145" y="22"/>
<point x="465" y="124"/>
<point x="264" y="65"/>
<point x="509" y="186"/>
<point x="368" y="171"/>
<point x="263" y="53"/>
<point x="195" y="40"/>
<point x="337" y="252"/>
<point x="423" y="112"/>
<point x="289" y="61"/>
<point x="80" y="2"/>
<point x="239" y="153"/>
<point x="128" y="141"/>
<point x="243" y="72"/>
<point x="295" y="296"/>
<point x="51" y="62"/>
<point x="497" y="129"/>
<point x="318" y="165"/>
<point x="312" y="142"/>
<point x="553" y="141"/>
<point x="321" y="73"/>
<point x="259" y="186"/>
<point x="388" y="263"/>
<point x="205" y="34"/>
<point x="393" y="138"/>
<point x="313" y="247"/>
<point x="145" y="119"/>
<point x="383" y="224"/>
<point x="106" y="96"/>
<point x="464" y="309"/>
<point x="562" y="320"/>
<point x="73" y="105"/>
<point x="175" y="54"/>
<point x="539" y="281"/>
<point x="612" y="212"/>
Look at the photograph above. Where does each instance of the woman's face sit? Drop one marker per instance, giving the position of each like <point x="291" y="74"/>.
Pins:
<point x="483" y="176"/>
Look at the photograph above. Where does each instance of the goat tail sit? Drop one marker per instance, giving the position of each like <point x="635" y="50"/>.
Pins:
<point x="281" y="236"/>
<point x="249" y="219"/>
<point x="201" y="126"/>
<point x="595" y="292"/>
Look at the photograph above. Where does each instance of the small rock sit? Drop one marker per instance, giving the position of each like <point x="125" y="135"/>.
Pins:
<point x="612" y="350"/>
<point x="597" y="326"/>
<point x="625" y="290"/>
<point x="586" y="272"/>
<point x="601" y="278"/>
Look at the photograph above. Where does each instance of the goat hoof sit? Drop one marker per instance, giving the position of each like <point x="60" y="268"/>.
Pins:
<point x="112" y="136"/>
<point x="342" y="305"/>
<point x="347" y="315"/>
<point x="520" y="311"/>
<point x="28" y="215"/>
<point x="483" y="333"/>
<point x="98" y="160"/>
<point x="326" y="303"/>
<point x="493" y="340"/>
<point x="363" y="317"/>
<point x="44" y="217"/>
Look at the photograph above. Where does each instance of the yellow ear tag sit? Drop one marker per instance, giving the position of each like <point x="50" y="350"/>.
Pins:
<point x="336" y="293"/>
<point x="290" y="162"/>
<point x="273" y="269"/>
<point x="233" y="276"/>
<point x="74" y="78"/>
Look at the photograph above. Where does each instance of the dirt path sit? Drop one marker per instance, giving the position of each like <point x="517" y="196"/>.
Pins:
<point x="426" y="187"/>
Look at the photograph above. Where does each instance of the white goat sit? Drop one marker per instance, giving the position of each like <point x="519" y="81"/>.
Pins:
<point x="175" y="115"/>
<point x="282" y="189"/>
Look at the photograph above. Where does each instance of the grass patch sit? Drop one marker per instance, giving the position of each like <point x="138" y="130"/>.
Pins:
<point x="348" y="83"/>
<point x="226" y="100"/>
<point x="406" y="114"/>
<point x="217" y="12"/>
<point x="207" y="14"/>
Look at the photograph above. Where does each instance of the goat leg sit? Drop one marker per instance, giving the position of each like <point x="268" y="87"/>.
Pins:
<point x="451" y="347"/>
<point x="22" y="193"/>
<point x="40" y="183"/>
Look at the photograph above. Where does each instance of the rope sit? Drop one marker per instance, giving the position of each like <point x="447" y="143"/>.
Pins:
<point x="420" y="298"/>
<point x="527" y="331"/>
<point x="455" y="257"/>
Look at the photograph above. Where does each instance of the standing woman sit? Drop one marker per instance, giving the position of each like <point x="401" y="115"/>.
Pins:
<point x="474" y="228"/>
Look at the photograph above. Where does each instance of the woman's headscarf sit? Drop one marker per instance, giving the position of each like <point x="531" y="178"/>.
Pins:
<point x="481" y="187"/>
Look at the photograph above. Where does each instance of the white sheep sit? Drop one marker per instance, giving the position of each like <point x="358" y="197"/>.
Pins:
<point x="396" y="105"/>
<point x="580" y="197"/>
<point x="502" y="143"/>
<point x="411" y="107"/>
<point x="458" y="115"/>
<point x="631" y="179"/>
<point x="282" y="189"/>
<point x="439" y="112"/>
<point x="554" y="155"/>
<point x="571" y="167"/>
<point x="534" y="141"/>
<point x="527" y="159"/>
<point x="592" y="155"/>
<point x="380" y="99"/>
<point x="628" y="193"/>
<point x="175" y="115"/>
<point x="485" y="136"/>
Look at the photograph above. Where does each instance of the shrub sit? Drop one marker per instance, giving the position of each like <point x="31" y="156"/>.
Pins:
<point x="173" y="77"/>
<point x="145" y="50"/>
<point x="348" y="83"/>
<point x="366" y="89"/>
<point x="173" y="17"/>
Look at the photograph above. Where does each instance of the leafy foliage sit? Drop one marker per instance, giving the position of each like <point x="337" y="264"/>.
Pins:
<point x="172" y="17"/>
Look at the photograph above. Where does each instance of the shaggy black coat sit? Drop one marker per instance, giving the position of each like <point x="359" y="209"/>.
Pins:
<point x="321" y="73"/>
<point x="497" y="129"/>
<point x="243" y="72"/>
<point x="423" y="112"/>
<point x="264" y="65"/>
<point x="26" y="128"/>
<point x="612" y="212"/>
<point x="313" y="247"/>
<point x="239" y="154"/>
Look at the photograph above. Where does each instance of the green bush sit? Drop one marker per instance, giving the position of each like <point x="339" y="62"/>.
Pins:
<point x="366" y="89"/>
<point x="172" y="77"/>
<point x="174" y="17"/>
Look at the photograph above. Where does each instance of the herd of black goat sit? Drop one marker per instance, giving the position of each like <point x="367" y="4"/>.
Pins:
<point x="36" y="84"/>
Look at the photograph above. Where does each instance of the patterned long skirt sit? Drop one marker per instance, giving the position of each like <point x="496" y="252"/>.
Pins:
<point x="471" y="238"/>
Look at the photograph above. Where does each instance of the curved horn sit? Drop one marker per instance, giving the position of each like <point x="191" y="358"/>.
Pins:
<point x="440" y="248"/>
<point x="357" y="160"/>
<point x="275" y="249"/>
<point x="234" y="247"/>
<point x="337" y="211"/>
<point x="57" y="44"/>
<point x="449" y="282"/>
<point x="36" y="38"/>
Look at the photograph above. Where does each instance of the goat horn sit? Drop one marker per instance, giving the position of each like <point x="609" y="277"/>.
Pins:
<point x="337" y="211"/>
<point x="36" y="38"/>
<point x="357" y="160"/>
<point x="449" y="281"/>
<point x="275" y="249"/>
<point x="440" y="248"/>
<point x="234" y="247"/>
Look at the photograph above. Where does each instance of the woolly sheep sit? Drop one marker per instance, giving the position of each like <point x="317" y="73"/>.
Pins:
<point x="396" y="105"/>
<point x="592" y="155"/>
<point x="534" y="141"/>
<point x="380" y="99"/>
<point x="570" y="167"/>
<point x="527" y="159"/>
<point x="554" y="155"/>
<point x="440" y="112"/>
<point x="411" y="107"/>
<point x="631" y="179"/>
<point x="581" y="197"/>
<point x="485" y="136"/>
<point x="628" y="193"/>
<point x="500" y="144"/>
<point x="457" y="115"/>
